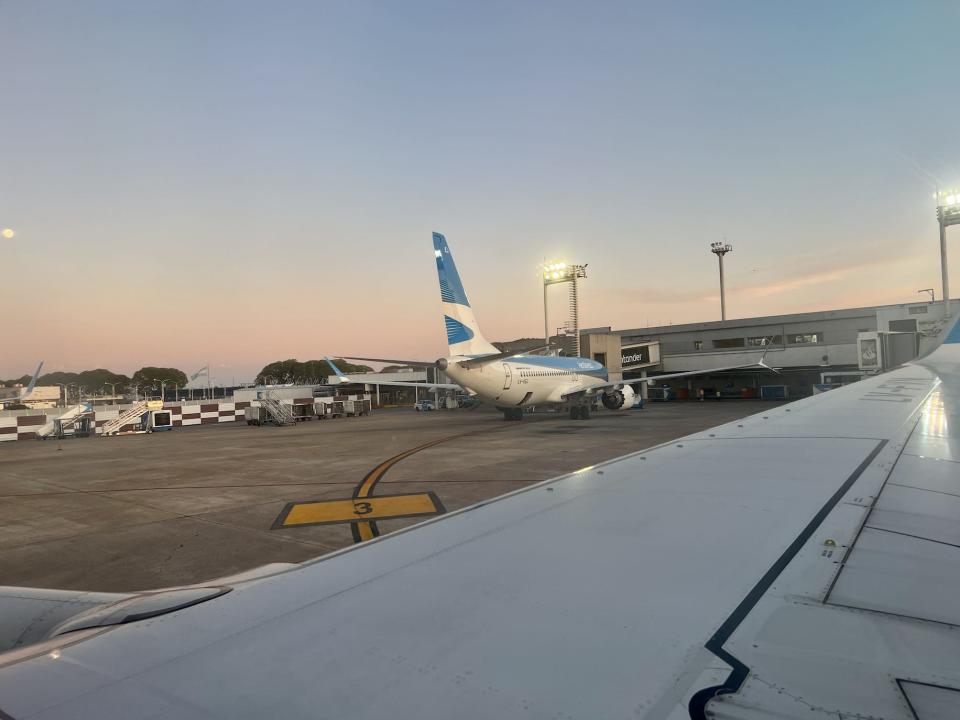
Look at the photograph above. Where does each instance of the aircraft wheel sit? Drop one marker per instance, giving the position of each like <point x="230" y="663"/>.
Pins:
<point x="585" y="412"/>
<point x="574" y="412"/>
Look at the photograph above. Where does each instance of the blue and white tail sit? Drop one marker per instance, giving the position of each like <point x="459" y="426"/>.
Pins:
<point x="339" y="377"/>
<point x="463" y="333"/>
<point x="32" y="383"/>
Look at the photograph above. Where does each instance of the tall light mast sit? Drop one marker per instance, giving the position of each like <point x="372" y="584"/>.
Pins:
<point x="555" y="273"/>
<point x="720" y="249"/>
<point x="948" y="213"/>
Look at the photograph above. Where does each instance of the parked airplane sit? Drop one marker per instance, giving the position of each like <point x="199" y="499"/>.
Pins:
<point x="799" y="564"/>
<point x="512" y="380"/>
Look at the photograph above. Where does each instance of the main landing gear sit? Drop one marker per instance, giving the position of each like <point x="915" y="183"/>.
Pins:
<point x="513" y="413"/>
<point x="579" y="412"/>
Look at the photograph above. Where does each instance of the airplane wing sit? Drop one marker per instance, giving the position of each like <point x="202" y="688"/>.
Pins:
<point x="393" y="383"/>
<point x="617" y="384"/>
<point x="411" y="363"/>
<point x="423" y="385"/>
<point x="471" y="362"/>
<point x="799" y="564"/>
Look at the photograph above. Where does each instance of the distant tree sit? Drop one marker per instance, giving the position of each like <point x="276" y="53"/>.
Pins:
<point x="58" y="378"/>
<point x="151" y="376"/>
<point x="311" y="372"/>
<point x="279" y="372"/>
<point x="23" y="380"/>
<point x="96" y="380"/>
<point x="396" y="368"/>
<point x="91" y="380"/>
<point x="346" y="367"/>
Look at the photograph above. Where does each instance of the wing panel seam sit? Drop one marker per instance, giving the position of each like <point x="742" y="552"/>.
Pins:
<point x="739" y="672"/>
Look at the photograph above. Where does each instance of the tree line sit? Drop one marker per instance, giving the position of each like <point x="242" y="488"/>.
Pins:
<point x="309" y="372"/>
<point x="281" y="372"/>
<point x="91" y="380"/>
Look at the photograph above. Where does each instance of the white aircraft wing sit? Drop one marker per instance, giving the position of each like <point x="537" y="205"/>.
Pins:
<point x="802" y="563"/>
<point x="617" y="384"/>
<point x="344" y="378"/>
<point x="424" y="385"/>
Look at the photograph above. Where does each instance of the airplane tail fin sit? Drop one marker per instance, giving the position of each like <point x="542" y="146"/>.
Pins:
<point x="340" y="376"/>
<point x="32" y="383"/>
<point x="463" y="332"/>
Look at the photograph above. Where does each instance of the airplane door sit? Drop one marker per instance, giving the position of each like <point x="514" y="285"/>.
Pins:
<point x="507" y="376"/>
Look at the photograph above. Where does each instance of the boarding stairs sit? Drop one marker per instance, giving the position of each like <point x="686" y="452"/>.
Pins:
<point x="65" y="421"/>
<point x="126" y="417"/>
<point x="277" y="411"/>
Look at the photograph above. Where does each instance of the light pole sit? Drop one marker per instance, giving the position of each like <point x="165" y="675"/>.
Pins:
<point x="720" y="249"/>
<point x="555" y="273"/>
<point x="63" y="387"/>
<point x="933" y="296"/>
<point x="162" y="383"/>
<point x="113" y="389"/>
<point x="948" y="213"/>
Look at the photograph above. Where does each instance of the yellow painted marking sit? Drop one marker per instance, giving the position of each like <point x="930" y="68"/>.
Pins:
<point x="381" y="507"/>
<point x="370" y="481"/>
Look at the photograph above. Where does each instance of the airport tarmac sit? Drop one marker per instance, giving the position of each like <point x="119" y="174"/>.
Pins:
<point x="148" y="511"/>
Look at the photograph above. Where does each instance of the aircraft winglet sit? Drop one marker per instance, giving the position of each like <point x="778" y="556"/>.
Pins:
<point x="343" y="378"/>
<point x="762" y="363"/>
<point x="32" y="383"/>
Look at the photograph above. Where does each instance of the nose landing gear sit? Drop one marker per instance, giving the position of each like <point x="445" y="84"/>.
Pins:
<point x="514" y="413"/>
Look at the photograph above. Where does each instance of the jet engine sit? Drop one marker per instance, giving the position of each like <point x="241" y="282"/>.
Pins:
<point x="619" y="398"/>
<point x="613" y="400"/>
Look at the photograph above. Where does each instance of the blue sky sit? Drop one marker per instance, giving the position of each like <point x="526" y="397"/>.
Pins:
<point x="165" y="163"/>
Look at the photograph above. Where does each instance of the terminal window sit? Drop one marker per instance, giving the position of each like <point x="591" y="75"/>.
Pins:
<point x="765" y="340"/>
<point x="728" y="343"/>
<point x="805" y="338"/>
<point x="698" y="344"/>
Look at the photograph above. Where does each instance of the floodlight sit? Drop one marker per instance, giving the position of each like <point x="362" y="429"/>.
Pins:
<point x="8" y="233"/>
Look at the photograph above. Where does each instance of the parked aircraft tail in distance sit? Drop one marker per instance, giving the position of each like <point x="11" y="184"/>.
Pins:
<point x="32" y="383"/>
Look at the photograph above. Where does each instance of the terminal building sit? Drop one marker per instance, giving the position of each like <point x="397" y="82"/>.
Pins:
<point x="812" y="351"/>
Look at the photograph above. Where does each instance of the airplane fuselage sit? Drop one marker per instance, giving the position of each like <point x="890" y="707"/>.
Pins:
<point x="527" y="379"/>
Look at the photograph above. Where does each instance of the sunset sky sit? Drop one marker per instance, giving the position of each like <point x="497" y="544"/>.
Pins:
<point x="241" y="182"/>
